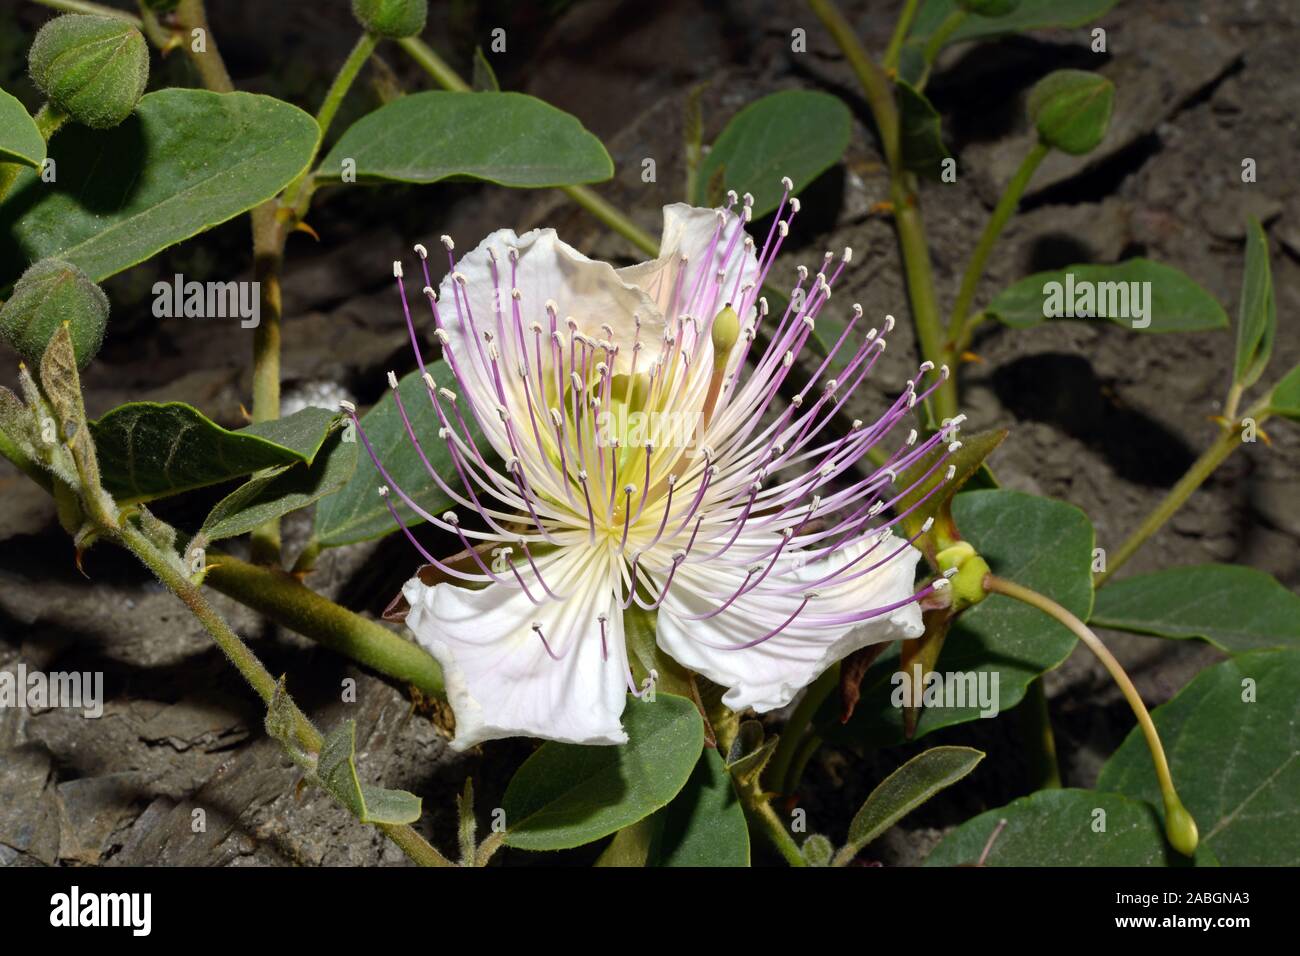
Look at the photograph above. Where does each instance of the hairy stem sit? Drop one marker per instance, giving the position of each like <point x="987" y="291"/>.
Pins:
<point x="252" y="669"/>
<point x="433" y="64"/>
<point x="778" y="771"/>
<point x="879" y="93"/>
<point x="1177" y="818"/>
<point x="938" y="40"/>
<point x="92" y="9"/>
<point x="1227" y="442"/>
<point x="283" y="599"/>
<point x="901" y="28"/>
<point x="761" y="815"/>
<point x="1007" y="204"/>
<point x="191" y="15"/>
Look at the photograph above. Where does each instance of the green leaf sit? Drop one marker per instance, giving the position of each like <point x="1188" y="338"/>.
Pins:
<point x="185" y="161"/>
<point x="336" y="769"/>
<point x="795" y="133"/>
<point x="1059" y="828"/>
<point x="920" y="132"/>
<point x="149" y="450"/>
<point x="1174" y="304"/>
<point x="1071" y="110"/>
<point x="904" y="790"/>
<point x="505" y="138"/>
<point x="20" y="141"/>
<point x="1233" y="607"/>
<point x="705" y="823"/>
<point x="281" y="490"/>
<point x="1040" y="543"/>
<point x="566" y="795"/>
<point x="1029" y="15"/>
<point x="357" y="512"/>
<point x="1233" y="740"/>
<point x="1285" y="399"/>
<point x="484" y="78"/>
<point x="1257" y="313"/>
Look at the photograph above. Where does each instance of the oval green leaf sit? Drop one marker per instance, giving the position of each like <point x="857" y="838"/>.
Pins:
<point x="1285" y="398"/>
<point x="1040" y="543"/>
<point x="795" y="133"/>
<point x="149" y="450"/>
<point x="566" y="795"/>
<point x="185" y="161"/>
<point x="1064" y="828"/>
<point x="920" y="132"/>
<point x="20" y="141"/>
<point x="1235" y="608"/>
<point x="356" y="512"/>
<point x="505" y="138"/>
<point x="282" y="490"/>
<point x="904" y="790"/>
<point x="1233" y="740"/>
<point x="705" y="823"/>
<point x="1137" y="294"/>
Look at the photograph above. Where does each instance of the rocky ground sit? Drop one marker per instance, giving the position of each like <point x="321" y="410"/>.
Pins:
<point x="1099" y="416"/>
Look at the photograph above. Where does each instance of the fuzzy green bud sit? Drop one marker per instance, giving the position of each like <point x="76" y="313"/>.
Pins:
<point x="92" y="68"/>
<point x="391" y="18"/>
<point x="1071" y="110"/>
<point x="48" y="294"/>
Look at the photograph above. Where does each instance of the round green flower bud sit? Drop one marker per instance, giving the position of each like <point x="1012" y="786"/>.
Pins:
<point x="92" y="68"/>
<point x="988" y="8"/>
<point x="1071" y="110"/>
<point x="392" y="18"/>
<point x="48" y="294"/>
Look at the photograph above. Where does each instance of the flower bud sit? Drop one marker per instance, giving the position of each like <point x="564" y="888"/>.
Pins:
<point x="1071" y="109"/>
<point x="989" y="8"/>
<point x="48" y="294"/>
<point x="391" y="18"/>
<point x="92" y="68"/>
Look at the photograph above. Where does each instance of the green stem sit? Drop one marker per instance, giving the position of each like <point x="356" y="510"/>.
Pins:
<point x="1039" y="739"/>
<point x="252" y="669"/>
<point x="762" y="815"/>
<point x="23" y="462"/>
<point x="778" y="770"/>
<point x="1227" y="442"/>
<point x="938" y="40"/>
<point x="1179" y="825"/>
<point x="48" y="119"/>
<point x="1002" y="212"/>
<point x="334" y="96"/>
<point x="433" y="64"/>
<point x="191" y="16"/>
<point x="612" y="218"/>
<point x="283" y="599"/>
<point x="879" y="93"/>
<point x="901" y="28"/>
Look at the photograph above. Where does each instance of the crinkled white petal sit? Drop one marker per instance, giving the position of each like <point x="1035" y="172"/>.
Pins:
<point x="768" y="675"/>
<point x="548" y="269"/>
<point x="500" y="680"/>
<point x="689" y="231"/>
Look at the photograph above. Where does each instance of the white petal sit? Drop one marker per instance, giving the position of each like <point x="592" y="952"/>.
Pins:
<point x="768" y="675"/>
<point x="500" y="680"/>
<point x="547" y="269"/>
<point x="689" y="231"/>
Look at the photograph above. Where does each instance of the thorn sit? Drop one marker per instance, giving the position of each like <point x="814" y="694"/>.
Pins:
<point x="301" y="226"/>
<point x="882" y="208"/>
<point x="971" y="357"/>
